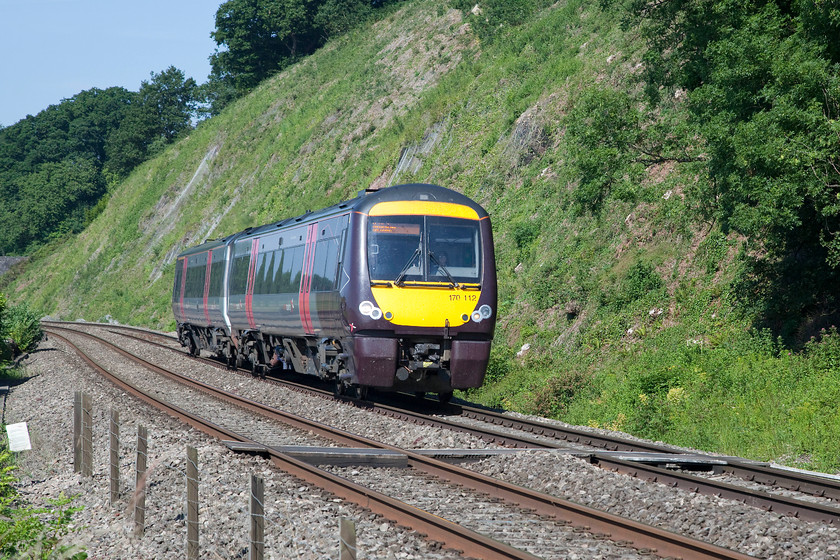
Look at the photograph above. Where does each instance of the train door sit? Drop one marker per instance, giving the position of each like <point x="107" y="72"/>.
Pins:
<point x="304" y="294"/>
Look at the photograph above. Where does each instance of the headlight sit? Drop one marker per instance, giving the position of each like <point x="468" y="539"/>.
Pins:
<point x="486" y="311"/>
<point x="476" y="316"/>
<point x="367" y="308"/>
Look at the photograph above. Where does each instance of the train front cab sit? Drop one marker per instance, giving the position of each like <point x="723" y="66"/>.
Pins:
<point x="432" y="283"/>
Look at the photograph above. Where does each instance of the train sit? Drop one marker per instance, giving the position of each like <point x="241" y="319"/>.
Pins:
<point x="394" y="290"/>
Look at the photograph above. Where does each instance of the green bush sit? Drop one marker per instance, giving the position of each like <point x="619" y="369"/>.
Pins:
<point x="524" y="233"/>
<point x="495" y="16"/>
<point x="604" y="130"/>
<point x="640" y="280"/>
<point x="22" y="325"/>
<point x="28" y="532"/>
<point x="551" y="397"/>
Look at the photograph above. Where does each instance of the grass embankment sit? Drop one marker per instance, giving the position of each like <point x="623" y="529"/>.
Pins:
<point x="635" y="314"/>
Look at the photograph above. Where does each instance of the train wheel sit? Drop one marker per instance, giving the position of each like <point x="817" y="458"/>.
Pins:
<point x="194" y="351"/>
<point x="340" y="388"/>
<point x="445" y="397"/>
<point x="363" y="391"/>
<point x="252" y="358"/>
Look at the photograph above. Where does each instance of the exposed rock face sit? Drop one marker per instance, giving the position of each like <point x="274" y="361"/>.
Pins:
<point x="8" y="262"/>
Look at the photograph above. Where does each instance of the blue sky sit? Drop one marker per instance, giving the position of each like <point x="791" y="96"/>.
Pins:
<point x="53" y="49"/>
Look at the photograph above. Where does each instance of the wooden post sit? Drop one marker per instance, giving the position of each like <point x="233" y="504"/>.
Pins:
<point x="192" y="503"/>
<point x="347" y="540"/>
<point x="140" y="483"/>
<point x="77" y="432"/>
<point x="87" y="437"/>
<point x="115" y="456"/>
<point x="257" y="519"/>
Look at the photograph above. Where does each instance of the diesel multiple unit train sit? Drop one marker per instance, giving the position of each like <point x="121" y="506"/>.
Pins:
<point x="393" y="290"/>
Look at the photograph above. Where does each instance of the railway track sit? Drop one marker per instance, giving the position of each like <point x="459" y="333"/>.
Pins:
<point x="632" y="457"/>
<point x="550" y="508"/>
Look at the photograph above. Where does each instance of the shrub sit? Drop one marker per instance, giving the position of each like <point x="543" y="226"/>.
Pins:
<point x="524" y="233"/>
<point x="603" y="128"/>
<point x="27" y="532"/>
<point x="640" y="280"/>
<point x="500" y="363"/>
<point x="554" y="395"/>
<point x="21" y="325"/>
<point x="494" y="16"/>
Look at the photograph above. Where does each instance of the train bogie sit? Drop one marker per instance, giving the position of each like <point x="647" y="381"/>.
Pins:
<point x="394" y="290"/>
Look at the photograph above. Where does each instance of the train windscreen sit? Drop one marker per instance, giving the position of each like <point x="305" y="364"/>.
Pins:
<point x="424" y="249"/>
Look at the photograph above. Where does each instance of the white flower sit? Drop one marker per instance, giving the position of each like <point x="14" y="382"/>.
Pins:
<point x="667" y="195"/>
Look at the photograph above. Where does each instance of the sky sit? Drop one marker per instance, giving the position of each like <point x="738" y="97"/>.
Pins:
<point x="52" y="49"/>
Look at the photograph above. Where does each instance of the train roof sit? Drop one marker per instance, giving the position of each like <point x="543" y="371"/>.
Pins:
<point x="366" y="200"/>
<point x="204" y="247"/>
<point x="414" y="191"/>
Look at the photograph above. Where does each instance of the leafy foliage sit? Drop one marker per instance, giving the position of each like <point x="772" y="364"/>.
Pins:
<point x="257" y="39"/>
<point x="53" y="166"/>
<point x="604" y="131"/>
<point x="161" y="110"/>
<point x="5" y="351"/>
<point x="494" y="17"/>
<point x="336" y="17"/>
<point x="763" y="87"/>
<point x="50" y="164"/>
<point x="551" y="397"/>
<point x="260" y="38"/>
<point x="22" y="325"/>
<point x="30" y="532"/>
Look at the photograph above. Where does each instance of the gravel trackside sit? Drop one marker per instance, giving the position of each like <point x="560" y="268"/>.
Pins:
<point x="301" y="521"/>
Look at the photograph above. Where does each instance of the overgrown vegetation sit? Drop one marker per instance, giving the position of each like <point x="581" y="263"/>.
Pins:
<point x="662" y="268"/>
<point x="20" y="329"/>
<point x="33" y="532"/>
<point x="762" y="87"/>
<point x="27" y="531"/>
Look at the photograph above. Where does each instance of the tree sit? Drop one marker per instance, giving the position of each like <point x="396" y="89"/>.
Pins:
<point x="160" y="111"/>
<point x="53" y="200"/>
<point x="763" y="84"/>
<point x="65" y="142"/>
<point x="257" y="38"/>
<point x="336" y="17"/>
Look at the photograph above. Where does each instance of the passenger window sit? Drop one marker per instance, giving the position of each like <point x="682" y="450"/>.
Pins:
<point x="295" y="268"/>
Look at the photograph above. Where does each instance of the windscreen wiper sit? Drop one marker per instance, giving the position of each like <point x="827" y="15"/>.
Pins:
<point x="445" y="271"/>
<point x="404" y="270"/>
